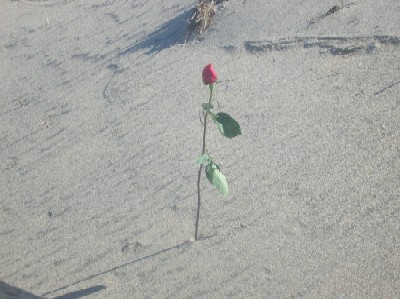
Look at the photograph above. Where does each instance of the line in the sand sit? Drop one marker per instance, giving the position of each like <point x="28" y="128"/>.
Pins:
<point x="386" y="88"/>
<point x="182" y="245"/>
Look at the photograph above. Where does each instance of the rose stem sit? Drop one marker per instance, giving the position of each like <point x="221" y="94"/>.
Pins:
<point x="201" y="166"/>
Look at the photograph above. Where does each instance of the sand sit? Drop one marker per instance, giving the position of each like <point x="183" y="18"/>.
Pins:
<point x="99" y="130"/>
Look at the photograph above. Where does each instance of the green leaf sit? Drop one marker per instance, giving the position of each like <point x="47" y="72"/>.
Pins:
<point x="209" y="173"/>
<point x="217" y="179"/>
<point x="213" y="115"/>
<point x="207" y="106"/>
<point x="202" y="159"/>
<point x="227" y="125"/>
<point x="210" y="170"/>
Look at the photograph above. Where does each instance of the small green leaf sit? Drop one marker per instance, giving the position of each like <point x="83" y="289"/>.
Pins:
<point x="227" y="125"/>
<point x="217" y="179"/>
<point x="209" y="173"/>
<point x="213" y="115"/>
<point x="207" y="106"/>
<point x="202" y="159"/>
<point x="210" y="170"/>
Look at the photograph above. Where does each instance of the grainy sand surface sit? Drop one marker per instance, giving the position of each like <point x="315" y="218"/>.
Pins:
<point x="99" y="130"/>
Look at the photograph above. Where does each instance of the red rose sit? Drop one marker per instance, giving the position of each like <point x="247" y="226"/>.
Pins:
<point x="209" y="75"/>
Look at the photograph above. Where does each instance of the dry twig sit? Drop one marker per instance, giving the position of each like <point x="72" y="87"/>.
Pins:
<point x="202" y="17"/>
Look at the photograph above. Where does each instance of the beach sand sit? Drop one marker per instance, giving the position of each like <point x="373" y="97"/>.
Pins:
<point x="99" y="131"/>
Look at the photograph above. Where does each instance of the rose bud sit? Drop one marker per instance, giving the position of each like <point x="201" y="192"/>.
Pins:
<point x="209" y="74"/>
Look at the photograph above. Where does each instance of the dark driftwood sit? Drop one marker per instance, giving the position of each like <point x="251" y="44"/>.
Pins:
<point x="201" y="18"/>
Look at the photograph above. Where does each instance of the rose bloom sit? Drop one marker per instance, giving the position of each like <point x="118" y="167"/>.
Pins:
<point x="209" y="74"/>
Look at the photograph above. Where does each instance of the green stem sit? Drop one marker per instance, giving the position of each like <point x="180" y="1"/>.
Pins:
<point x="211" y="86"/>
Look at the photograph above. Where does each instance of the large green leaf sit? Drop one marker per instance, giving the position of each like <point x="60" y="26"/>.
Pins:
<point x="227" y="125"/>
<point x="217" y="179"/>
